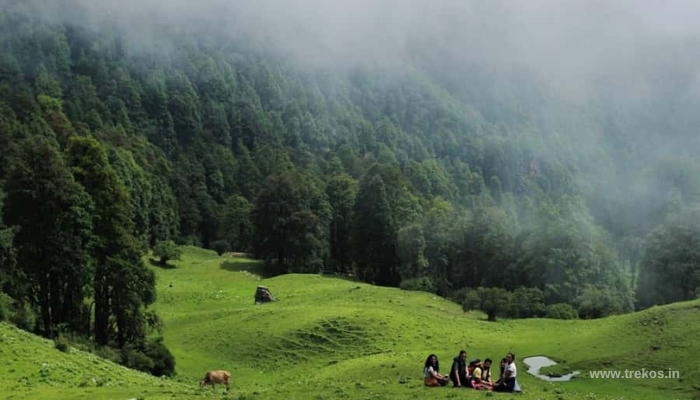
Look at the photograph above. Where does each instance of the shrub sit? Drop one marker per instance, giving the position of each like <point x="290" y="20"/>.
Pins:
<point x="561" y="311"/>
<point x="422" y="284"/>
<point x="492" y="301"/>
<point x="166" y="250"/>
<point x="220" y="247"/>
<point x="6" y="305"/>
<point x="24" y="317"/>
<point x="152" y="357"/>
<point x="77" y="341"/>
<point x="598" y="302"/>
<point x="153" y="321"/>
<point x="459" y="295"/>
<point x="162" y="358"/>
<point x="110" y="354"/>
<point x="469" y="299"/>
<point x="61" y="344"/>
<point x="135" y="359"/>
<point x="527" y="303"/>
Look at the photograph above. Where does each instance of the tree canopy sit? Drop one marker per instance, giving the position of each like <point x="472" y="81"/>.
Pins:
<point x="398" y="176"/>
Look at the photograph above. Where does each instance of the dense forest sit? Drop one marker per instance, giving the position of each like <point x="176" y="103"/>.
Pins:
<point x="437" y="177"/>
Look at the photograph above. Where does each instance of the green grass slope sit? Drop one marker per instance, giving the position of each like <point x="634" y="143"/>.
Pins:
<point x="328" y="338"/>
<point x="31" y="368"/>
<point x="332" y="338"/>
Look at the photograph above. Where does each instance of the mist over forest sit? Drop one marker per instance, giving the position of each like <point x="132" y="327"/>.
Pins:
<point x="544" y="152"/>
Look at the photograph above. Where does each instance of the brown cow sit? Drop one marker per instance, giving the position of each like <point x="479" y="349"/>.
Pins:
<point x="217" y="377"/>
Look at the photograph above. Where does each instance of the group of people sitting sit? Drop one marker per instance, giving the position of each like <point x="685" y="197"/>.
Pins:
<point x="475" y="374"/>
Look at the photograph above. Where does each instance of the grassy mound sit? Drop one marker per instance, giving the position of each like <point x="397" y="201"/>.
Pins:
<point x="329" y="337"/>
<point x="333" y="338"/>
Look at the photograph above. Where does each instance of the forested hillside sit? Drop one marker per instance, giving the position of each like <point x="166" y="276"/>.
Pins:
<point x="429" y="175"/>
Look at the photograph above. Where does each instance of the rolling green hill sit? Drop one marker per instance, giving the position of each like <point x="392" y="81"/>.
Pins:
<point x="333" y="338"/>
<point x="32" y="368"/>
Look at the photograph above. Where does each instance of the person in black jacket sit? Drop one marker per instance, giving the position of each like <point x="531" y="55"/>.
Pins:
<point x="458" y="373"/>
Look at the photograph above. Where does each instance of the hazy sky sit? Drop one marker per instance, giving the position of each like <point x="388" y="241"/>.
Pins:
<point x="565" y="41"/>
<point x="376" y="27"/>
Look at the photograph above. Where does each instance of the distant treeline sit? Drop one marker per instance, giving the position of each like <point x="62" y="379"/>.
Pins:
<point x="403" y="179"/>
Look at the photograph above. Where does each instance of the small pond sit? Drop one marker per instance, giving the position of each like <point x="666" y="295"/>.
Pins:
<point x="538" y="362"/>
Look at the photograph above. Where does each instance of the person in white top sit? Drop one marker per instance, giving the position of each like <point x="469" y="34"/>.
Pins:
<point x="511" y="371"/>
<point x="431" y="373"/>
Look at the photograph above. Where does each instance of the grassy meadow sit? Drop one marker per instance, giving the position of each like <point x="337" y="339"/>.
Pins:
<point x="333" y="338"/>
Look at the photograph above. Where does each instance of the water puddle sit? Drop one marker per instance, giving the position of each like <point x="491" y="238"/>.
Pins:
<point x="538" y="362"/>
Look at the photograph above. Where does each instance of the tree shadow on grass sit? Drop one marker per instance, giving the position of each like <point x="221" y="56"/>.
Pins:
<point x="252" y="266"/>
<point x="344" y="277"/>
<point x="271" y="269"/>
<point x="156" y="263"/>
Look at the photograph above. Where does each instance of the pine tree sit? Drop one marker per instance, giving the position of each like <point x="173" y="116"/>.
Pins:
<point x="53" y="216"/>
<point x="236" y="225"/>
<point x="8" y="255"/>
<point x="670" y="270"/>
<point x="374" y="235"/>
<point x="123" y="285"/>
<point x="291" y="222"/>
<point x="341" y="190"/>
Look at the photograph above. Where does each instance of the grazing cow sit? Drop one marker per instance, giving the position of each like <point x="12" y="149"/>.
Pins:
<point x="214" y="378"/>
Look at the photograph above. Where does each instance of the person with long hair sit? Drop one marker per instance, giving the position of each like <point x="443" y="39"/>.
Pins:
<point x="503" y="370"/>
<point x="507" y="383"/>
<point x="431" y="373"/>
